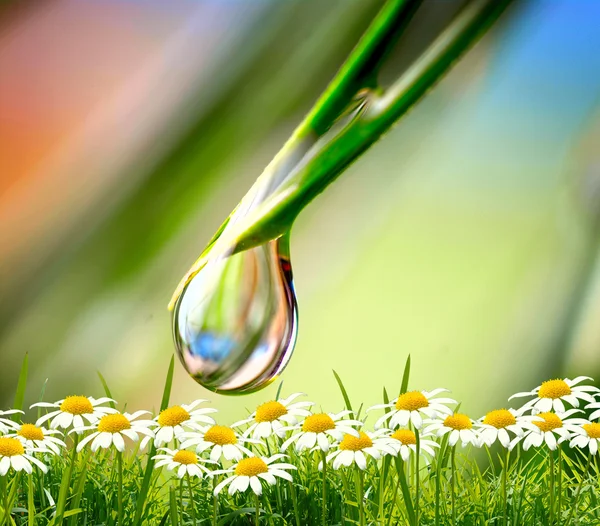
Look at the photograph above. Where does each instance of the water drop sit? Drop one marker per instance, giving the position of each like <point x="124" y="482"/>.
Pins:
<point x="235" y="321"/>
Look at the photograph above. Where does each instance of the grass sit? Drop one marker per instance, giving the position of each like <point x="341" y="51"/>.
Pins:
<point x="462" y="486"/>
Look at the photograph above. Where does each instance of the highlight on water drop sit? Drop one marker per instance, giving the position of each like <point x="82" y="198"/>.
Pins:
<point x="235" y="321"/>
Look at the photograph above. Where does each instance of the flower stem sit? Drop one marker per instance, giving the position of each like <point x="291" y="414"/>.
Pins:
<point x="578" y="490"/>
<point x="30" y="502"/>
<point x="551" y="511"/>
<point x="65" y="483"/>
<point x="120" y="488"/>
<point x="417" y="457"/>
<point x="324" y="495"/>
<point x="559" y="489"/>
<point x="191" y="496"/>
<point x="453" y="483"/>
<point x="360" y="494"/>
<point x="4" y="490"/>
<point x="504" y="486"/>
<point x="438" y="483"/>
<point x="257" y="505"/>
<point x="295" y="504"/>
<point x="215" y="502"/>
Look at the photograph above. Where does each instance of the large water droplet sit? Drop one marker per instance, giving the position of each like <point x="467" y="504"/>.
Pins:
<point x="235" y="321"/>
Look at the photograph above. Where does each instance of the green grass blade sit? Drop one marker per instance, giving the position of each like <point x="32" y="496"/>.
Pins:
<point x="21" y="385"/>
<point x="405" y="376"/>
<point x="145" y="487"/>
<point x="106" y="389"/>
<point x="168" y="384"/>
<point x="343" y="390"/>
<point x="278" y="394"/>
<point x="173" y="507"/>
<point x="405" y="491"/>
<point x="41" y="398"/>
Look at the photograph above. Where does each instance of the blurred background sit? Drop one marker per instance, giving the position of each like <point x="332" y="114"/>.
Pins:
<point x="467" y="237"/>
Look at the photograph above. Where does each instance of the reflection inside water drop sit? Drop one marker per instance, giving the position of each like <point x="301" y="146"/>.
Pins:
<point x="235" y="321"/>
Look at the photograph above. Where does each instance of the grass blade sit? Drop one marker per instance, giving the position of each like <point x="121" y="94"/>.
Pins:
<point x="145" y="487"/>
<point x="20" y="394"/>
<point x="343" y="390"/>
<point x="173" y="507"/>
<point x="405" y="376"/>
<point x="168" y="384"/>
<point x="106" y="389"/>
<point x="405" y="491"/>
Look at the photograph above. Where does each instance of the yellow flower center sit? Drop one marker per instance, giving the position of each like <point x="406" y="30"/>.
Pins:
<point x="351" y="443"/>
<point x="458" y="421"/>
<point x="405" y="436"/>
<point x="185" y="457"/>
<point x="551" y="421"/>
<point x="10" y="447"/>
<point x="411" y="401"/>
<point x="31" y="432"/>
<point x="250" y="467"/>
<point x="77" y="405"/>
<point x="554" y="389"/>
<point x="318" y="423"/>
<point x="500" y="418"/>
<point x="113" y="423"/>
<point x="220" y="435"/>
<point x="270" y="411"/>
<point x="173" y="416"/>
<point x="593" y="430"/>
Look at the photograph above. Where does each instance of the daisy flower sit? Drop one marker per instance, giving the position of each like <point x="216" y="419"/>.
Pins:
<point x="588" y="435"/>
<point x="352" y="450"/>
<point x="222" y="441"/>
<point x="459" y="426"/>
<point x="174" y="421"/>
<point x="404" y="441"/>
<point x="113" y="428"/>
<point x="596" y="413"/>
<point x="251" y="471"/>
<point x="275" y="417"/>
<point x="73" y="410"/>
<point x="34" y="437"/>
<point x="320" y="428"/>
<point x="186" y="462"/>
<point x="551" y="429"/>
<point x="6" y="424"/>
<point x="414" y="407"/>
<point x="13" y="454"/>
<point x="553" y="394"/>
<point x="496" y="425"/>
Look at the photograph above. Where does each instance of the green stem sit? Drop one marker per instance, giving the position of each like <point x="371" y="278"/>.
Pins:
<point x="417" y="457"/>
<point x="215" y="501"/>
<point x="302" y="170"/>
<point x="120" y="488"/>
<point x="578" y="490"/>
<point x="389" y="521"/>
<point x="191" y="497"/>
<point x="65" y="483"/>
<point x="4" y="491"/>
<point x="360" y="495"/>
<point x="551" y="511"/>
<point x="438" y="482"/>
<point x="324" y="495"/>
<point x="30" y="501"/>
<point x="381" y="491"/>
<point x="453" y="483"/>
<point x="295" y="504"/>
<point x="559" y="489"/>
<point x="257" y="505"/>
<point x="504" y="486"/>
